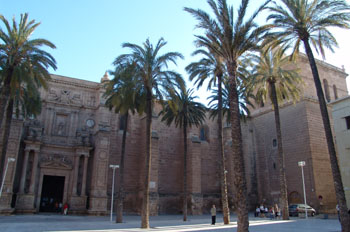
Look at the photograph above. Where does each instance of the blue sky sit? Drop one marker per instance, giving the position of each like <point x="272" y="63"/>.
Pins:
<point x="88" y="33"/>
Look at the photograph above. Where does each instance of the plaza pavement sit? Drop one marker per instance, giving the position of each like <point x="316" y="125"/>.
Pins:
<point x="55" y="223"/>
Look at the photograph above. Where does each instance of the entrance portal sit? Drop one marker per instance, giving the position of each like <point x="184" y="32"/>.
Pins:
<point x="52" y="193"/>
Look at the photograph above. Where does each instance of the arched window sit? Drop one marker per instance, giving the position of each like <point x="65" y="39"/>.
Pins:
<point x="335" y="92"/>
<point x="204" y="133"/>
<point x="326" y="90"/>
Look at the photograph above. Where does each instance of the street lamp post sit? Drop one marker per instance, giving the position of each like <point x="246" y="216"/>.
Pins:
<point x="302" y="164"/>
<point x="3" y="179"/>
<point x="113" y="167"/>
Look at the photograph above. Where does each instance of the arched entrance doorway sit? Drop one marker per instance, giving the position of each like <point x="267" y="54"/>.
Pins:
<point x="52" y="193"/>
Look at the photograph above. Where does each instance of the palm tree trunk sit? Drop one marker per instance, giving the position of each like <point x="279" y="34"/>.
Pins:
<point x="338" y="184"/>
<point x="7" y="129"/>
<point x="237" y="154"/>
<point x="145" y="201"/>
<point x="5" y="94"/>
<point x="185" y="171"/>
<point x="224" y="199"/>
<point x="281" y="163"/>
<point x="120" y="200"/>
<point x="4" y="98"/>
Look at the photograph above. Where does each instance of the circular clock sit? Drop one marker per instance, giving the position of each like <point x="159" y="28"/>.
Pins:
<point x="90" y="123"/>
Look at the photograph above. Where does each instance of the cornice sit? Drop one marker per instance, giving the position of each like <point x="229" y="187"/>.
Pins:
<point x="75" y="82"/>
<point x="346" y="98"/>
<point x="325" y="65"/>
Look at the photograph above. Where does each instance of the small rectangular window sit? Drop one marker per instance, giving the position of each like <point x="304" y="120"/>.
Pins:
<point x="274" y="143"/>
<point x="347" y="120"/>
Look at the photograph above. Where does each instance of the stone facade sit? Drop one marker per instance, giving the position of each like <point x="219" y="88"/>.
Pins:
<point x="75" y="139"/>
<point x="341" y="116"/>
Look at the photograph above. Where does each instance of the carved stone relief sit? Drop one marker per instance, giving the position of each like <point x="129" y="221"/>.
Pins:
<point x="83" y="137"/>
<point x="104" y="142"/>
<point x="104" y="127"/>
<point x="103" y="155"/>
<point x="60" y="125"/>
<point x="56" y="161"/>
<point x="65" y="97"/>
<point x="91" y="101"/>
<point x="34" y="130"/>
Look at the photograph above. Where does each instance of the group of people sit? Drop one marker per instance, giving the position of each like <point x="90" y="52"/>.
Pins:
<point x="260" y="211"/>
<point x="58" y="207"/>
<point x="271" y="212"/>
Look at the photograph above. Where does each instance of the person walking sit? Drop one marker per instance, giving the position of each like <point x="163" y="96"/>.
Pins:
<point x="213" y="215"/>
<point x="60" y="207"/>
<point x="337" y="208"/>
<point x="277" y="211"/>
<point x="257" y="211"/>
<point x="65" y="209"/>
<point x="262" y="210"/>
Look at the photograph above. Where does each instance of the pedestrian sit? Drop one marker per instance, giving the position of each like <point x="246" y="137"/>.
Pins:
<point x="337" y="208"/>
<point x="213" y="215"/>
<point x="262" y="210"/>
<point x="272" y="213"/>
<point x="60" y="207"/>
<point x="277" y="211"/>
<point x="257" y="211"/>
<point x="65" y="209"/>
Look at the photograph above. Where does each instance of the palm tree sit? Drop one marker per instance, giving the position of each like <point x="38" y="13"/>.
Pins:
<point x="272" y="80"/>
<point x="151" y="69"/>
<point x="304" y="22"/>
<point x="230" y="38"/>
<point x="124" y="95"/>
<point x="184" y="111"/>
<point x="25" y="100"/>
<point x="22" y="61"/>
<point x="211" y="67"/>
<point x="244" y="101"/>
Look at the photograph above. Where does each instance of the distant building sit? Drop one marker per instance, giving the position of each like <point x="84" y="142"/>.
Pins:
<point x="341" y="118"/>
<point x="64" y="154"/>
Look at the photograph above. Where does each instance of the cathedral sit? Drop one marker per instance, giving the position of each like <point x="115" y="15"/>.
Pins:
<point x="63" y="155"/>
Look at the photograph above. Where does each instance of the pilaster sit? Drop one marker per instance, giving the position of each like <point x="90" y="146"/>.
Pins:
<point x="12" y="152"/>
<point x="153" y="187"/>
<point x="194" y="176"/>
<point x="100" y="159"/>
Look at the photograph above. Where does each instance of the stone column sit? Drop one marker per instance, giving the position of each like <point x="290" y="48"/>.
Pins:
<point x="26" y="202"/>
<point x="24" y="171"/>
<point x="78" y="203"/>
<point x="34" y="171"/>
<point x="83" y="187"/>
<point x="76" y="173"/>
<point x="153" y="185"/>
